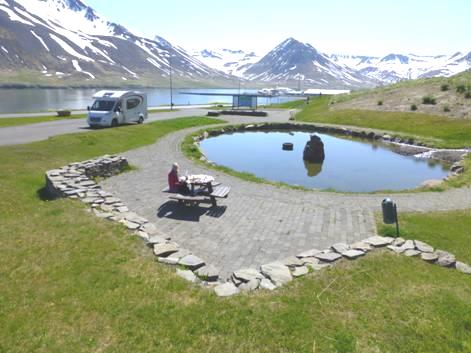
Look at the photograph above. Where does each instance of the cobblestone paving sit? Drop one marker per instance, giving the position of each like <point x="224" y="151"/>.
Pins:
<point x="257" y="223"/>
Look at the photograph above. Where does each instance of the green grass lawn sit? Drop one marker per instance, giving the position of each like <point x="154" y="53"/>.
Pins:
<point x="70" y="282"/>
<point x="434" y="130"/>
<point x="7" y="122"/>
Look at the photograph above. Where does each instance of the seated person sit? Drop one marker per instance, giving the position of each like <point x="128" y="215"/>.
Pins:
<point x="175" y="183"/>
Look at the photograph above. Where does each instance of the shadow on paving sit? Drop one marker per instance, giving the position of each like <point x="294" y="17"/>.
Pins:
<point x="175" y="210"/>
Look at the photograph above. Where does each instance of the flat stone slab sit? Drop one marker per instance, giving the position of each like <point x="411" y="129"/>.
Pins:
<point x="462" y="267"/>
<point x="130" y="225"/>
<point x="300" y="271"/>
<point x="379" y="241"/>
<point x="411" y="252"/>
<point x="278" y="273"/>
<point x="398" y="241"/>
<point x="265" y="283"/>
<point x="250" y="285"/>
<point x="168" y="260"/>
<point x="408" y="245"/>
<point x="155" y="239"/>
<point x="353" y="254"/>
<point x="208" y="273"/>
<point x="292" y="261"/>
<point x="329" y="257"/>
<point x="360" y="245"/>
<point x="187" y="275"/>
<point x="340" y="247"/>
<point x="165" y="249"/>
<point x="429" y="257"/>
<point x="308" y="253"/>
<point x="226" y="289"/>
<point x="247" y="274"/>
<point x="192" y="262"/>
<point x="421" y="246"/>
<point x="445" y="259"/>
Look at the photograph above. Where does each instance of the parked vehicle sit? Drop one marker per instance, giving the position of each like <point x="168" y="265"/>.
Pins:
<point x="113" y="108"/>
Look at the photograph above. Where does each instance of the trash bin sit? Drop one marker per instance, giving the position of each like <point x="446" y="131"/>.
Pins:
<point x="389" y="211"/>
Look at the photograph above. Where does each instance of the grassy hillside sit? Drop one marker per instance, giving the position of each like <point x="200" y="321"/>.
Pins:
<point x="450" y="97"/>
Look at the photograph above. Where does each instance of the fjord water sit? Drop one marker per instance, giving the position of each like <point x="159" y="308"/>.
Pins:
<point x="349" y="165"/>
<point x="36" y="99"/>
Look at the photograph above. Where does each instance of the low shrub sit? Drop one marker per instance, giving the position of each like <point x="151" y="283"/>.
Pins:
<point x="461" y="88"/>
<point x="446" y="109"/>
<point x="413" y="107"/>
<point x="429" y="100"/>
<point x="445" y="87"/>
<point x="380" y="102"/>
<point x="467" y="95"/>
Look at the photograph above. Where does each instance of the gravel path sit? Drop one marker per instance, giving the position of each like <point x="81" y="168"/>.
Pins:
<point x="257" y="223"/>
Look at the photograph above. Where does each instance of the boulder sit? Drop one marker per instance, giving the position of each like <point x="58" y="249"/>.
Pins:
<point x="314" y="150"/>
<point x="250" y="285"/>
<point x="429" y="257"/>
<point x="308" y="253"/>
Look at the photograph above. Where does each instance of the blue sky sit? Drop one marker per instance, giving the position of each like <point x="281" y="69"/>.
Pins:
<point x="335" y="26"/>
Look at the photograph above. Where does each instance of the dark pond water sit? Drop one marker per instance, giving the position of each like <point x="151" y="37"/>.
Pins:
<point x="36" y="99"/>
<point x="349" y="165"/>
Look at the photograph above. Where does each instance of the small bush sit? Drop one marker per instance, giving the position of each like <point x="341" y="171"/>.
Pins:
<point x="445" y="87"/>
<point x="429" y="100"/>
<point x="467" y="95"/>
<point x="413" y="107"/>
<point x="446" y="109"/>
<point x="461" y="88"/>
<point x="380" y="102"/>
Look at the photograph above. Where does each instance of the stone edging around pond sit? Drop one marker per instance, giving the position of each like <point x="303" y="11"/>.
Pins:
<point x="407" y="147"/>
<point x="75" y="181"/>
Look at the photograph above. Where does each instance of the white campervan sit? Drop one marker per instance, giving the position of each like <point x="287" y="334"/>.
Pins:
<point x="112" y="108"/>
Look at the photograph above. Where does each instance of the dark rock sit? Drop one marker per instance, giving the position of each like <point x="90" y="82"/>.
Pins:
<point x="314" y="150"/>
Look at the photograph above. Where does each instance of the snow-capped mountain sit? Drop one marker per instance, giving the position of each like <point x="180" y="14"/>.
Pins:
<point x="293" y="61"/>
<point x="395" y="67"/>
<point x="232" y="62"/>
<point x="67" y="41"/>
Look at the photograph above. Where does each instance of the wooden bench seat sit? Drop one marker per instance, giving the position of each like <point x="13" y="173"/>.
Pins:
<point x="221" y="191"/>
<point x="217" y="191"/>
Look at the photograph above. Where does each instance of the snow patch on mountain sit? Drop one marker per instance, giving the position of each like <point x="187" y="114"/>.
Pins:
<point x="232" y="62"/>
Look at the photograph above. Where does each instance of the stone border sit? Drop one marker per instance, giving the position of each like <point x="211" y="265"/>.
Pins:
<point x="407" y="147"/>
<point x="75" y="181"/>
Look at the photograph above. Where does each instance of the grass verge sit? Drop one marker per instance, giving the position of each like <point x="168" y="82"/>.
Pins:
<point x="72" y="282"/>
<point x="8" y="122"/>
<point x="436" y="131"/>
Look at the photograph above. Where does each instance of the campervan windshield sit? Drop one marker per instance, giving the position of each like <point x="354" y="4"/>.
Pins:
<point x="103" y="105"/>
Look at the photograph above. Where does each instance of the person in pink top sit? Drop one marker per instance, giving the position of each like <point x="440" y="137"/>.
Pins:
<point x="175" y="184"/>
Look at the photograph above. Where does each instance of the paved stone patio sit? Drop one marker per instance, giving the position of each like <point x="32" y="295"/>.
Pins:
<point x="258" y="223"/>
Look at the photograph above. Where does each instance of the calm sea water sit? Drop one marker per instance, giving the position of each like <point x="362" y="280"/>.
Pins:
<point x="35" y="99"/>
<point x="349" y="165"/>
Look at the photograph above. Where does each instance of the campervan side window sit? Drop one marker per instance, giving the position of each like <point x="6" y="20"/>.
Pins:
<point x="132" y="103"/>
<point x="103" y="105"/>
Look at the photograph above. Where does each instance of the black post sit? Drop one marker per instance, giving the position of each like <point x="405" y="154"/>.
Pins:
<point x="397" y="220"/>
<point x="171" y="84"/>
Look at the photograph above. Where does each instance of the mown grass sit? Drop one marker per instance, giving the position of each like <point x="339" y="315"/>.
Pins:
<point x="70" y="282"/>
<point x="436" y="131"/>
<point x="8" y="122"/>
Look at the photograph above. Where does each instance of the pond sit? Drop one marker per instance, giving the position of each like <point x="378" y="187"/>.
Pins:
<point x="350" y="165"/>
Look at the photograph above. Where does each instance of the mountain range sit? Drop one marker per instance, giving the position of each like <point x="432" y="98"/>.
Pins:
<point x="66" y="43"/>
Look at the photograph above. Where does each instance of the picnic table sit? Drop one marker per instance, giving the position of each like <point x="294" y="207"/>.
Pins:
<point x="203" y="189"/>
